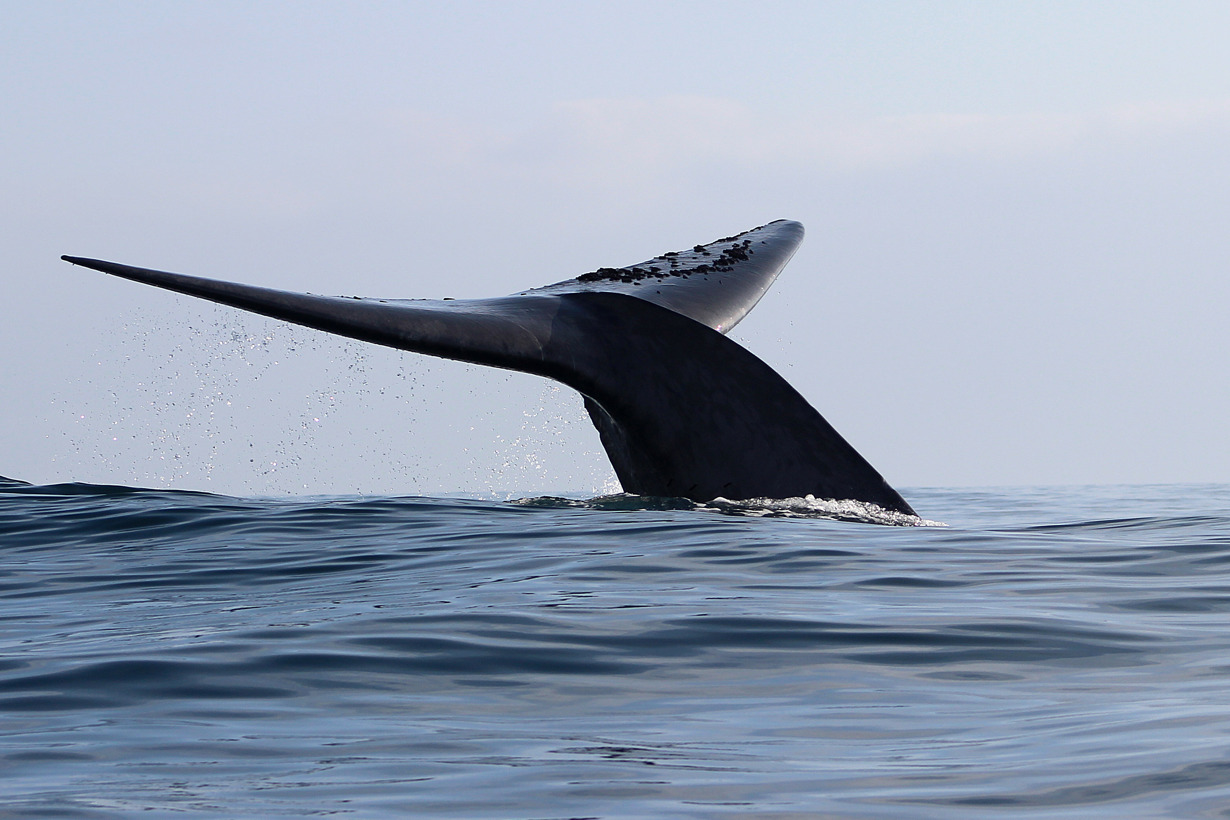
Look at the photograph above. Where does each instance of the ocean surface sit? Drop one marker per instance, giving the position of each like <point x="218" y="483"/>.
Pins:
<point x="1049" y="652"/>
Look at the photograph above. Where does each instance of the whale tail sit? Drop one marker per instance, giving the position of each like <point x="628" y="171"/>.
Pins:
<point x="681" y="410"/>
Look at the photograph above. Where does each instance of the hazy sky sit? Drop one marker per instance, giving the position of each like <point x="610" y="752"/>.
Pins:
<point x="1015" y="270"/>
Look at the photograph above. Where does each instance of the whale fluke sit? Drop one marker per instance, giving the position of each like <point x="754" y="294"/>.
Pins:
<point x="681" y="410"/>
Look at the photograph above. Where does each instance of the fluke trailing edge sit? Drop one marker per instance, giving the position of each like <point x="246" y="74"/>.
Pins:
<point x="681" y="410"/>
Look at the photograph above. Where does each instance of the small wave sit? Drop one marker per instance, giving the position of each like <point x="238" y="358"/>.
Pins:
<point x="805" y="507"/>
<point x="617" y="501"/>
<point x="863" y="512"/>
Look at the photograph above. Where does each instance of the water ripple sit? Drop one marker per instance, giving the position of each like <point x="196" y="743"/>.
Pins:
<point x="1049" y="652"/>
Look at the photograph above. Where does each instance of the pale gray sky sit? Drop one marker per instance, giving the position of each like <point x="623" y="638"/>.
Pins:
<point x="1015" y="270"/>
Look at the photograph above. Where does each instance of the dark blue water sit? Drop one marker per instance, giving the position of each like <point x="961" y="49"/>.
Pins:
<point x="1052" y="652"/>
